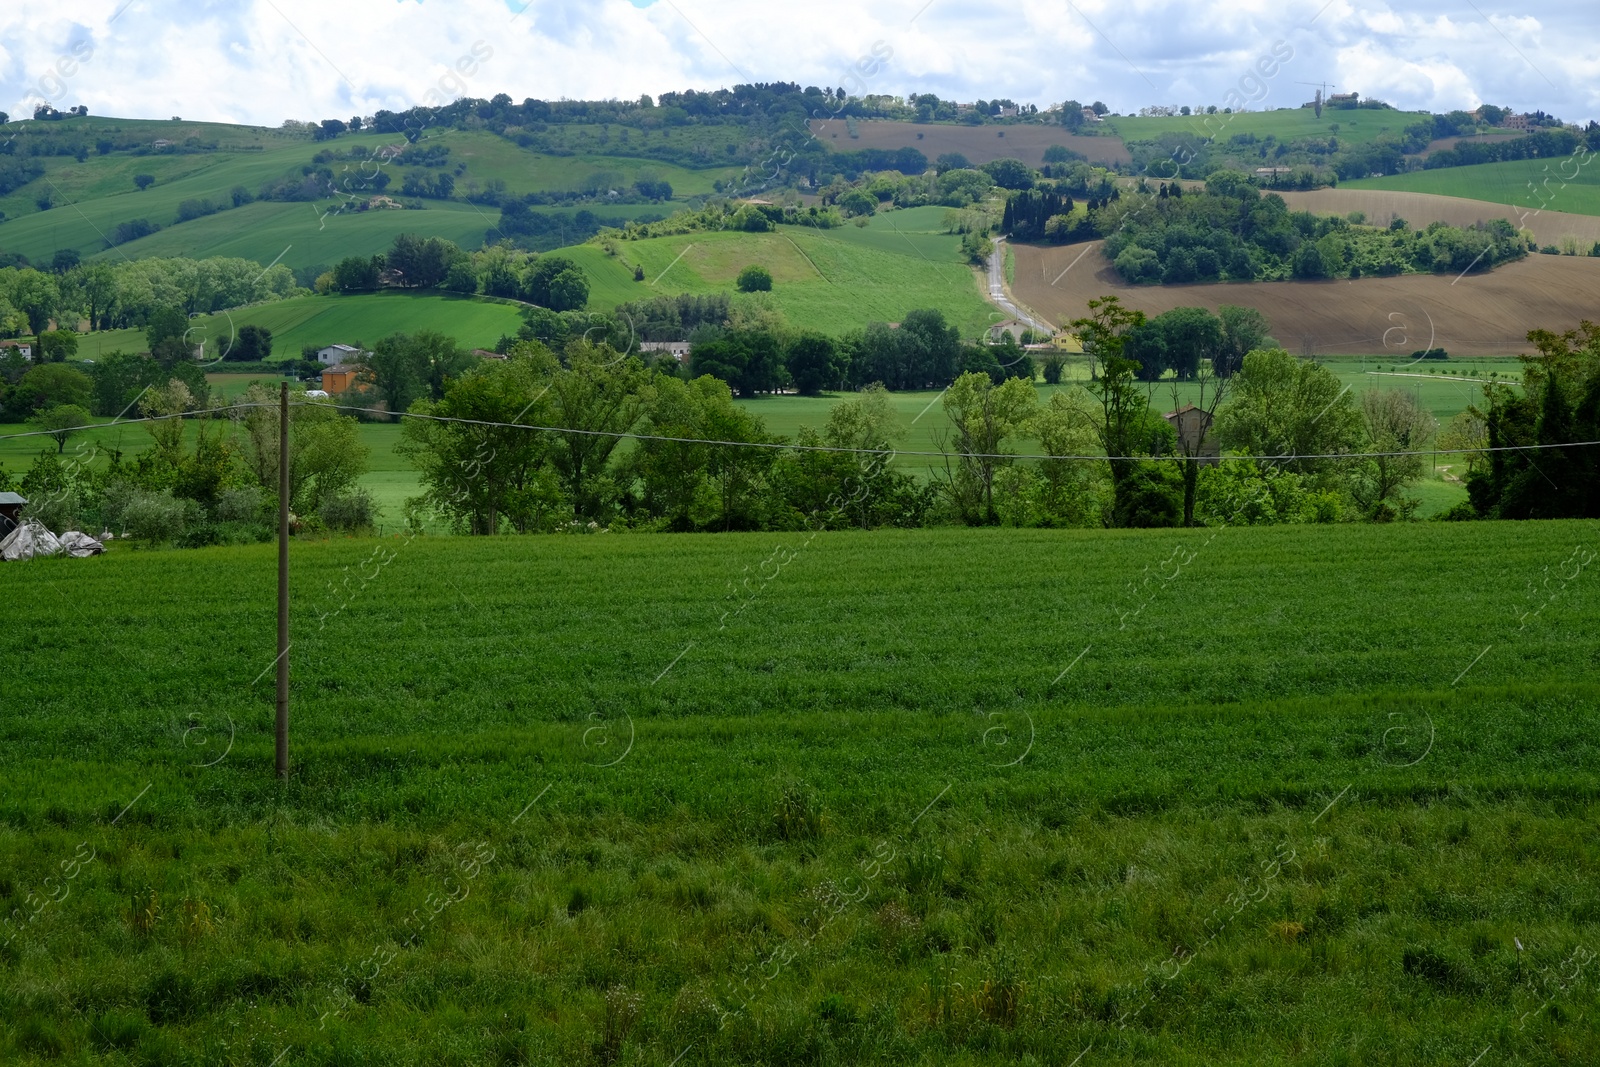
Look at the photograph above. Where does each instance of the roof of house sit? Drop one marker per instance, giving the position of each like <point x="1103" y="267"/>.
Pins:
<point x="16" y="344"/>
<point x="343" y="368"/>
<point x="341" y="348"/>
<point x="1183" y="410"/>
<point x="12" y="498"/>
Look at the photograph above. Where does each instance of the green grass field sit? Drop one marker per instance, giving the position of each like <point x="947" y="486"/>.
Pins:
<point x="1531" y="185"/>
<point x="1286" y="124"/>
<point x="93" y="197"/>
<point x="828" y="280"/>
<point x="1328" y="797"/>
<point x="475" y="322"/>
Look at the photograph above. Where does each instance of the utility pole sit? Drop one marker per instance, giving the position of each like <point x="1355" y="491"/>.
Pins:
<point x="283" y="581"/>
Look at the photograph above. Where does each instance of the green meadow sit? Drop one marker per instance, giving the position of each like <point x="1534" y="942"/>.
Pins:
<point x="1256" y="796"/>
<point x="92" y="197"/>
<point x="829" y="280"/>
<point x="1567" y="184"/>
<point x="1285" y="123"/>
<point x="475" y="322"/>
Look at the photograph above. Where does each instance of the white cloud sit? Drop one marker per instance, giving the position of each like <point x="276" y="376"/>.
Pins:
<point x="266" y="60"/>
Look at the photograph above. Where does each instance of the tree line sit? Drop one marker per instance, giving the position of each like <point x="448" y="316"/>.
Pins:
<point x="588" y="438"/>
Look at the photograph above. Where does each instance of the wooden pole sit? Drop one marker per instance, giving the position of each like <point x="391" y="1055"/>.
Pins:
<point x="283" y="581"/>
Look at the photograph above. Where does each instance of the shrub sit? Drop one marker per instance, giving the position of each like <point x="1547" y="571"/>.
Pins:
<point x="157" y="518"/>
<point x="755" y="279"/>
<point x="59" y="512"/>
<point x="349" y="513"/>
<point x="238" y="505"/>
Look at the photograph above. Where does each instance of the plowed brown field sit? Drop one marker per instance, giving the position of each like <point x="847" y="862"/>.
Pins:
<point x="1481" y="314"/>
<point x="980" y="144"/>
<point x="1419" y="209"/>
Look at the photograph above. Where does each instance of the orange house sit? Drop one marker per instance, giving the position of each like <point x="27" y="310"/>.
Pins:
<point x="336" y="380"/>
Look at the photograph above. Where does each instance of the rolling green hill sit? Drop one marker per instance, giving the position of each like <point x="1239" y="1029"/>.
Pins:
<point x="1286" y="124"/>
<point x="323" y="320"/>
<point x="91" y="197"/>
<point x="304" y="236"/>
<point x="1525" y="184"/>
<point x="829" y="280"/>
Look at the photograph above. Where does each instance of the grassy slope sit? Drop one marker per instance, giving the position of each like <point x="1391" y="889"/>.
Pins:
<point x="1525" y="184"/>
<point x="325" y="320"/>
<point x="308" y="234"/>
<point x="1355" y="127"/>
<point x="94" y="196"/>
<point x="830" y="280"/>
<point x="1290" y="693"/>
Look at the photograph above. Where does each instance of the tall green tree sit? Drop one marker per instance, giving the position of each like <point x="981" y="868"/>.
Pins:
<point x="61" y="422"/>
<point x="37" y="296"/>
<point x="1124" y="423"/>
<point x="482" y="476"/>
<point x="1559" y="405"/>
<point x="815" y="363"/>
<point x="1395" y="424"/>
<point x="987" y="419"/>
<point x="597" y="398"/>
<point x="1284" y="406"/>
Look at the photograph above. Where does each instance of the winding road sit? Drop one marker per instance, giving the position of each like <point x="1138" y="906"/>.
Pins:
<point x="1001" y="298"/>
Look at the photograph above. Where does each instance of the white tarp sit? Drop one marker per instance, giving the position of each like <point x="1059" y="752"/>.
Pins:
<point x="29" y="540"/>
<point x="79" y="544"/>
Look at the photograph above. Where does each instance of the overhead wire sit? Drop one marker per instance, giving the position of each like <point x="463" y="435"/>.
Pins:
<point x="790" y="446"/>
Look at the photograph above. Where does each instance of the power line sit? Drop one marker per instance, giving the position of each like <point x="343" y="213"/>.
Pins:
<point x="781" y="446"/>
<point x="130" y="422"/>
<point x="776" y="445"/>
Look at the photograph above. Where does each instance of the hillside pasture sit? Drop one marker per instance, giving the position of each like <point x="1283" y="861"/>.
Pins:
<point x="1359" y="126"/>
<point x="924" y="800"/>
<point x="93" y="197"/>
<point x="344" y="319"/>
<point x="980" y="144"/>
<point x="1479" y="314"/>
<point x="1567" y="185"/>
<point x="827" y="280"/>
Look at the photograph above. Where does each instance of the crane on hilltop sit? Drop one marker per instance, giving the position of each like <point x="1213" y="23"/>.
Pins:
<point x="1322" y="94"/>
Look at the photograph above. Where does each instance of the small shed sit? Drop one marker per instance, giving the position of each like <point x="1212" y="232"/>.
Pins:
<point x="11" y="505"/>
<point x="336" y="380"/>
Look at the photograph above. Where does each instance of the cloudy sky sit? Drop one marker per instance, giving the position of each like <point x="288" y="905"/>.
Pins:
<point x="262" y="61"/>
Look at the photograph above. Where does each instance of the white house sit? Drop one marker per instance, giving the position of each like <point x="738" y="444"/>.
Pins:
<point x="334" y="355"/>
<point x="678" y="350"/>
<point x="23" y="347"/>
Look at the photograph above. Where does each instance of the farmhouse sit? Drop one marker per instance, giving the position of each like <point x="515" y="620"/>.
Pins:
<point x="1015" y="327"/>
<point x="1090" y="115"/>
<point x="1515" y="122"/>
<point x="23" y="348"/>
<point x="678" y="350"/>
<point x="334" y="355"/>
<point x="1193" y="426"/>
